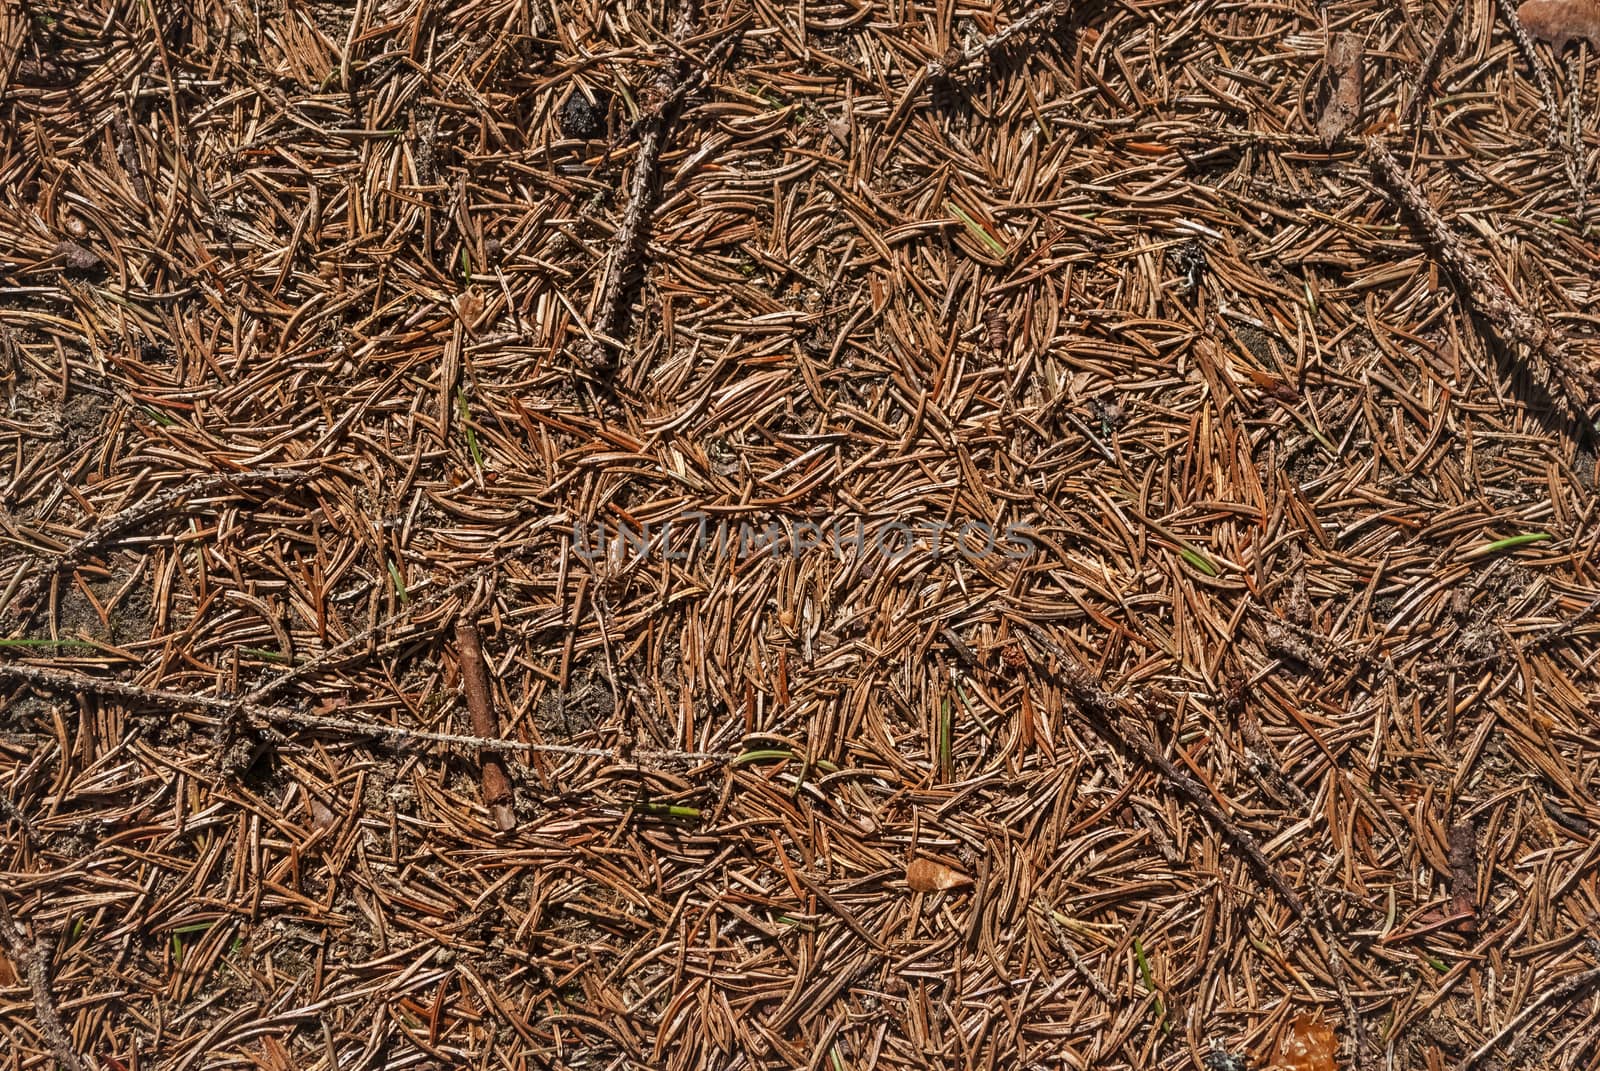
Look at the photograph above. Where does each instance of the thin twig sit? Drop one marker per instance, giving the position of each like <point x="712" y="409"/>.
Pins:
<point x="1076" y="960"/>
<point x="279" y="718"/>
<point x="31" y="959"/>
<point x="673" y="86"/>
<point x="119" y="524"/>
<point x="1559" y="991"/>
<point x="345" y="650"/>
<point x="1110" y="719"/>
<point x="1541" y="76"/>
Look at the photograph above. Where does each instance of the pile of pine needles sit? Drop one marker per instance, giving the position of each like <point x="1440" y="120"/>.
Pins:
<point x="418" y="425"/>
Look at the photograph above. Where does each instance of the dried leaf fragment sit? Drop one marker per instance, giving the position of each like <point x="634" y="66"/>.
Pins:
<point x="926" y="875"/>
<point x="1308" y="1045"/>
<point x="1561" y="21"/>
<point x="1344" y="87"/>
<point x="75" y="257"/>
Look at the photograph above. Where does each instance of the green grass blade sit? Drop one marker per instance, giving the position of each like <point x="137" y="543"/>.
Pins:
<point x="978" y="230"/>
<point x="1509" y="543"/>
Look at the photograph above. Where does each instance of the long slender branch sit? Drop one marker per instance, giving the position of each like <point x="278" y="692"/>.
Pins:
<point x="1489" y="297"/>
<point x="1109" y="716"/>
<point x="673" y="86"/>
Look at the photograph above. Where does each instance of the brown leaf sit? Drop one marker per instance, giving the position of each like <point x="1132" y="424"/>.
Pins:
<point x="1308" y="1045"/>
<point x="1344" y="87"/>
<point x="925" y="875"/>
<point x="1561" y="21"/>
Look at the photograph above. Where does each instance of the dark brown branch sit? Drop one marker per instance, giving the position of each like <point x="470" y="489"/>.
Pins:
<point x="673" y="86"/>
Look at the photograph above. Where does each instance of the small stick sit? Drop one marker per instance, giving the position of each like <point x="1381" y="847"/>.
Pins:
<point x="497" y="794"/>
<point x="32" y="963"/>
<point x="1112" y="724"/>
<point x="1489" y="297"/>
<point x="951" y="62"/>
<point x="1555" y="632"/>
<point x="119" y="524"/>
<point x="346" y="650"/>
<point x="1566" y="987"/>
<point x="1331" y="929"/>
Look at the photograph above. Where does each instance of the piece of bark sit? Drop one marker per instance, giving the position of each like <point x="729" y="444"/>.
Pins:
<point x="1559" y="22"/>
<point x="497" y="793"/>
<point x="1309" y="1044"/>
<point x="1344" y="86"/>
<point x="1464" y="875"/>
<point x="926" y="875"/>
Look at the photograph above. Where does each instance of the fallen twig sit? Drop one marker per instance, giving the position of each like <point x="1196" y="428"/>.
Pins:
<point x="1566" y="987"/>
<point x="119" y="524"/>
<point x="281" y="719"/>
<point x="1093" y="980"/>
<point x="1489" y="297"/>
<point x="948" y="65"/>
<point x="1111" y="720"/>
<point x="497" y="793"/>
<point x="30" y="960"/>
